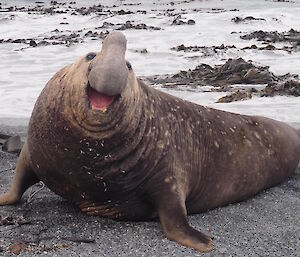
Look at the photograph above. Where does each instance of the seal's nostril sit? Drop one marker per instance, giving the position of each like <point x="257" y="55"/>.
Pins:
<point x="108" y="73"/>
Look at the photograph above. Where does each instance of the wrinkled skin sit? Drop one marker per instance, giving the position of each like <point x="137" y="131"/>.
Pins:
<point x="148" y="153"/>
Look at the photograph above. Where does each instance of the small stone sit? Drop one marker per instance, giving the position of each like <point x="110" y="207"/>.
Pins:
<point x="12" y="144"/>
<point x="18" y="41"/>
<point x="43" y="43"/>
<point x="191" y="22"/>
<point x="32" y="43"/>
<point x="16" y="248"/>
<point x="222" y="250"/>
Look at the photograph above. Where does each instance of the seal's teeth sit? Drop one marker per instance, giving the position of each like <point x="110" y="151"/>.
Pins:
<point x="99" y="101"/>
<point x="104" y="109"/>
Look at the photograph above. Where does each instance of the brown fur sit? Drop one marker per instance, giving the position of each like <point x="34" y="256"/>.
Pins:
<point x="150" y="154"/>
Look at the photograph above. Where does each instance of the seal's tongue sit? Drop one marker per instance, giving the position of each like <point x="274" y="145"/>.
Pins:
<point x="98" y="100"/>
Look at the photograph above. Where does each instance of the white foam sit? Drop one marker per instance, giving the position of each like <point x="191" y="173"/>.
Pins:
<point x="25" y="72"/>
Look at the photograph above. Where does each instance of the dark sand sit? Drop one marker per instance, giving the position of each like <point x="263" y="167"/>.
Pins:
<point x="266" y="225"/>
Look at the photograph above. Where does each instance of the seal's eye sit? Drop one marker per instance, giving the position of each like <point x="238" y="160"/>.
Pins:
<point x="90" y="56"/>
<point x="128" y="65"/>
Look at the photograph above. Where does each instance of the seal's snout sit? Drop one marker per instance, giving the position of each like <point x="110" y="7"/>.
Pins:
<point x="99" y="101"/>
<point x="108" y="71"/>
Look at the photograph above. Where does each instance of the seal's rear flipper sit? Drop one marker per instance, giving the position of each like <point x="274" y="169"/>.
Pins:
<point x="173" y="218"/>
<point x="24" y="178"/>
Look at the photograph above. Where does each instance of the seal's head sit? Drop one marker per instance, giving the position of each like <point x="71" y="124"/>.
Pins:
<point x="100" y="88"/>
<point x="107" y="72"/>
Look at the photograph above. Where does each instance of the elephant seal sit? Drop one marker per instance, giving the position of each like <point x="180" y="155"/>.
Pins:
<point x="102" y="139"/>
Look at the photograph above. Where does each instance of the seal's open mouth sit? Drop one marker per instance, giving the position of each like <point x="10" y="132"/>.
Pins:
<point x="99" y="101"/>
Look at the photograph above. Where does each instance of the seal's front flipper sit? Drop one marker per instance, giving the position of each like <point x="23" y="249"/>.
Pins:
<point x="172" y="214"/>
<point x="24" y="178"/>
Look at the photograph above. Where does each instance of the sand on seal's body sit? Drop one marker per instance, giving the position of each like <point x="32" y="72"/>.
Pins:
<point x="116" y="148"/>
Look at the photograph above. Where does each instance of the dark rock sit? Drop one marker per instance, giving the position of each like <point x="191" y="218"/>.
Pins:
<point x="142" y="51"/>
<point x="57" y="43"/>
<point x="9" y="220"/>
<point x="206" y="50"/>
<point x="248" y="18"/>
<point x="234" y="71"/>
<point x="3" y="138"/>
<point x="89" y="33"/>
<point x="126" y="25"/>
<point x="9" y="9"/>
<point x="32" y="43"/>
<point x="18" y="247"/>
<point x="132" y="4"/>
<point x="12" y="145"/>
<point x="273" y="36"/>
<point x="122" y="12"/>
<point x="141" y="26"/>
<point x="268" y="47"/>
<point x="43" y="43"/>
<point x="130" y="25"/>
<point x="178" y="21"/>
<point x="89" y="10"/>
<point x="74" y="35"/>
<point x="106" y="25"/>
<point x="271" y="47"/>
<point x="236" y="96"/>
<point x="237" y="19"/>
<point x="250" y="47"/>
<point x="19" y="41"/>
<point x="290" y="87"/>
<point x="191" y="22"/>
<point x="49" y="10"/>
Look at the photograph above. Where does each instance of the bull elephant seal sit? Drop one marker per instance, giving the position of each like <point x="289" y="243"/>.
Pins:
<point x="105" y="141"/>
